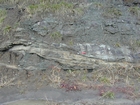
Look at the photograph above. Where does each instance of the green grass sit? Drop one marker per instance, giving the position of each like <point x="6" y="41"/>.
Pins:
<point x="43" y="7"/>
<point x="61" y="7"/>
<point x="56" y="35"/>
<point x="112" y="12"/>
<point x="32" y="9"/>
<point x="54" y="7"/>
<point x="105" y="80"/>
<point x="135" y="11"/>
<point x="138" y="43"/>
<point x="2" y="15"/>
<point x="109" y="94"/>
<point x="7" y="29"/>
<point x="9" y="1"/>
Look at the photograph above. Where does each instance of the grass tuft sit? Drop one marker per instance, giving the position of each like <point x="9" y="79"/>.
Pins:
<point x="2" y="15"/>
<point x="112" y="12"/>
<point x="5" y="81"/>
<point x="135" y="11"/>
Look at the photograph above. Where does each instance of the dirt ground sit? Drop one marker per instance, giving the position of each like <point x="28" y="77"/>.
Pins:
<point x="105" y="86"/>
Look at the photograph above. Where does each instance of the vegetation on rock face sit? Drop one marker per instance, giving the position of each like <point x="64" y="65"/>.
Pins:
<point x="138" y="43"/>
<point x="2" y="15"/>
<point x="112" y="12"/>
<point x="135" y="11"/>
<point x="7" y="29"/>
<point x="56" y="35"/>
<point x="57" y="6"/>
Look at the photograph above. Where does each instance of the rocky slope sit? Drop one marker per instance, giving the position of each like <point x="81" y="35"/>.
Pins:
<point x="27" y="43"/>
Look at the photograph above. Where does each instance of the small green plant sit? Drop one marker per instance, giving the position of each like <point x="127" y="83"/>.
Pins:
<point x="55" y="77"/>
<point x="5" y="81"/>
<point x="32" y="9"/>
<point x="84" y="78"/>
<point x="9" y="1"/>
<point x="105" y="80"/>
<point x="117" y="45"/>
<point x="70" y="42"/>
<point x="109" y="94"/>
<point x="71" y="73"/>
<point x="58" y="7"/>
<point x="135" y="11"/>
<point x="56" y="35"/>
<point x="112" y="12"/>
<point x="138" y="43"/>
<point x="139" y="80"/>
<point x="2" y="15"/>
<point x="7" y="29"/>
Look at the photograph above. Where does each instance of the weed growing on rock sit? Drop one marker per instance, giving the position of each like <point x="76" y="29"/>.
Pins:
<point x="135" y="11"/>
<point x="56" y="35"/>
<point x="55" y="76"/>
<point x="112" y="12"/>
<point x="105" y="80"/>
<point x="111" y="92"/>
<point x="108" y="94"/>
<point x="138" y="43"/>
<point x="32" y="9"/>
<point x="71" y="42"/>
<point x="55" y="6"/>
<point x="9" y="1"/>
<point x="6" y="30"/>
<point x="2" y="15"/>
<point x="5" y="81"/>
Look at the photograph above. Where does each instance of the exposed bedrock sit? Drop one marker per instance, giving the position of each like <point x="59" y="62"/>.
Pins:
<point x="80" y="56"/>
<point x="105" y="33"/>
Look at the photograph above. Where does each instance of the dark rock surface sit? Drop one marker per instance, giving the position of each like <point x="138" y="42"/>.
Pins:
<point x="110" y="24"/>
<point x="76" y="57"/>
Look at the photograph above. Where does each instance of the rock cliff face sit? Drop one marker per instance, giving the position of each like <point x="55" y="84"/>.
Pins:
<point x="104" y="31"/>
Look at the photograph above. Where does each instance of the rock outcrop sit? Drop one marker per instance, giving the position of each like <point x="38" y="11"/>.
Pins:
<point x="111" y="27"/>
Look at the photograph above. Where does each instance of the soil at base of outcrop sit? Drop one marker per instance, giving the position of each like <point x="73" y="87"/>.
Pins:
<point x="56" y="86"/>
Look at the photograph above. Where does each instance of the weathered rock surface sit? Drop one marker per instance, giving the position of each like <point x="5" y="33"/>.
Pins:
<point x="69" y="60"/>
<point x="9" y="44"/>
<point x="110" y="27"/>
<point x="103" y="52"/>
